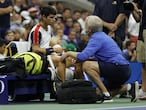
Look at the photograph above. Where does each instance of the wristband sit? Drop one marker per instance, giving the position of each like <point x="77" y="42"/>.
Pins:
<point x="49" y="51"/>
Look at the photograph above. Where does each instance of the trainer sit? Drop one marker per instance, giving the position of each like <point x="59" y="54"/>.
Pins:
<point x="103" y="58"/>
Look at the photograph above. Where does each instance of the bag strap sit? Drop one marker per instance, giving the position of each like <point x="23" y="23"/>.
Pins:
<point x="45" y="62"/>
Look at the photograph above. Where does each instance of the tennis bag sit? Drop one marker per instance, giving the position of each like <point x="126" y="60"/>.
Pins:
<point x="34" y="63"/>
<point x="76" y="92"/>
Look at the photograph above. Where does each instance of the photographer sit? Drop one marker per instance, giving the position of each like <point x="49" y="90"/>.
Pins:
<point x="130" y="51"/>
<point x="141" y="49"/>
<point x="134" y="7"/>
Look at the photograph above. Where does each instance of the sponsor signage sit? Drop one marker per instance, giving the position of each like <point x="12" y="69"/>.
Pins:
<point x="3" y="91"/>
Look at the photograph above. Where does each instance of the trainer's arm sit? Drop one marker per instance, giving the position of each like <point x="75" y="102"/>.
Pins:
<point x="69" y="54"/>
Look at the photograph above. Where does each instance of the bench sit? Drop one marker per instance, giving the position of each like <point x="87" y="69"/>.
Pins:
<point x="36" y="84"/>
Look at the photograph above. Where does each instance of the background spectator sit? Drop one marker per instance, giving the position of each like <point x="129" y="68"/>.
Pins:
<point x="81" y="20"/>
<point x="130" y="51"/>
<point x="133" y="29"/>
<point x="34" y="15"/>
<point x="10" y="36"/>
<point x="114" y="22"/>
<point x="2" y="47"/>
<point x="141" y="46"/>
<point x="66" y="14"/>
<point x="68" y="25"/>
<point x="76" y="15"/>
<point x="5" y="9"/>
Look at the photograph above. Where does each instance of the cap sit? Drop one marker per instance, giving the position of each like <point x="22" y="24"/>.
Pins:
<point x="25" y="15"/>
<point x="25" y="22"/>
<point x="32" y="9"/>
<point x="70" y="47"/>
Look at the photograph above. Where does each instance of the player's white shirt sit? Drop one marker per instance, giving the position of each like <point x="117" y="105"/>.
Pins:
<point x="37" y="31"/>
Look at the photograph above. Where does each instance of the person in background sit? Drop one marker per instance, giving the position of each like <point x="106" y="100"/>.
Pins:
<point x="68" y="24"/>
<point x="34" y="15"/>
<point x="76" y="15"/>
<point x="72" y="38"/>
<point x="10" y="36"/>
<point x="16" y="21"/>
<point x="141" y="45"/>
<point x="27" y="24"/>
<point x="66" y="14"/>
<point x="133" y="25"/>
<point x="78" y="28"/>
<point x="103" y="58"/>
<point x="133" y="29"/>
<point x="114" y="22"/>
<point x="2" y="48"/>
<point x="59" y="7"/>
<point x="130" y="51"/>
<point x="83" y="42"/>
<point x="81" y="20"/>
<point x="5" y="9"/>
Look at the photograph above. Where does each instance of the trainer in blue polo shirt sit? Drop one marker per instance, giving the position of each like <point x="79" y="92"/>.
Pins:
<point x="102" y="48"/>
<point x="103" y="58"/>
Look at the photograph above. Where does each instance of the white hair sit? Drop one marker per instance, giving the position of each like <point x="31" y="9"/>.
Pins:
<point x="94" y="23"/>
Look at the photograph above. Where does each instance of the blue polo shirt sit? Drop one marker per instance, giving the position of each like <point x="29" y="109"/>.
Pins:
<point x="102" y="47"/>
<point x="108" y="10"/>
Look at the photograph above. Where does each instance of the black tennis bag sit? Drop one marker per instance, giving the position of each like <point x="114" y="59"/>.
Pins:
<point x="76" y="92"/>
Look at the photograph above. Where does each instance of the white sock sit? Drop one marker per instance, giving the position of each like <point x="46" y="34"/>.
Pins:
<point x="106" y="93"/>
<point x="128" y="87"/>
<point x="141" y="92"/>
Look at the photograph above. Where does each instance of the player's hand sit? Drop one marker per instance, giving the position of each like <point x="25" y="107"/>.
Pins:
<point x="57" y="49"/>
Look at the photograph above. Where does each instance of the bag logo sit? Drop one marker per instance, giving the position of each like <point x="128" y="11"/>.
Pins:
<point x="2" y="86"/>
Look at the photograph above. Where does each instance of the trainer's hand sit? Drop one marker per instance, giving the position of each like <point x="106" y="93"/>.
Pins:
<point x="63" y="57"/>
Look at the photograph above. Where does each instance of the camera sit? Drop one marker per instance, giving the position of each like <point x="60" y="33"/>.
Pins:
<point x="128" y="5"/>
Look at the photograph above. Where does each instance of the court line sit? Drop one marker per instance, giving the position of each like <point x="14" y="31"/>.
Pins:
<point x="115" y="108"/>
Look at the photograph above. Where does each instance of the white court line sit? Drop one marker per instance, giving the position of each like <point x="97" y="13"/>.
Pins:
<point x="113" y="108"/>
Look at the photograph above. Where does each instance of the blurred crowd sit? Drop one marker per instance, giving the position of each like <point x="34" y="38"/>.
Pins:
<point x="69" y="25"/>
<point x="25" y="14"/>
